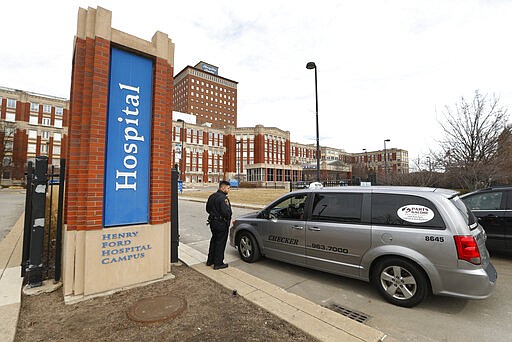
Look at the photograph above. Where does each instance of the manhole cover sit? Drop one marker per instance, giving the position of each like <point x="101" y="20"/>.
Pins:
<point x="156" y="309"/>
<point x="352" y="314"/>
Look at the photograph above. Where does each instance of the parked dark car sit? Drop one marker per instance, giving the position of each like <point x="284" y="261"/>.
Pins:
<point x="493" y="208"/>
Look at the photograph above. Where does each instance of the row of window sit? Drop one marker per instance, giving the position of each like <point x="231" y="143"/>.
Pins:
<point x="34" y="120"/>
<point x="34" y="107"/>
<point x="32" y="134"/>
<point x="202" y="90"/>
<point x="211" y="98"/>
<point x="211" y="78"/>
<point x="193" y="136"/>
<point x="43" y="148"/>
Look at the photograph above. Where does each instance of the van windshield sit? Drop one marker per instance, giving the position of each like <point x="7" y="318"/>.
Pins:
<point x="470" y="218"/>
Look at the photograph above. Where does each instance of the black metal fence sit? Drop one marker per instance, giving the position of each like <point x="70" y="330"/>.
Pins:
<point x="42" y="238"/>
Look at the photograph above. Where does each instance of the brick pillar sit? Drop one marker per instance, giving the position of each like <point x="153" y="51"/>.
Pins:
<point x="19" y="158"/>
<point x="259" y="149"/>
<point x="160" y="190"/>
<point x="87" y="131"/>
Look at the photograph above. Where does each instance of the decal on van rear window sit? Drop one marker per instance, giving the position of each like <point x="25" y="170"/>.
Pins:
<point x="415" y="213"/>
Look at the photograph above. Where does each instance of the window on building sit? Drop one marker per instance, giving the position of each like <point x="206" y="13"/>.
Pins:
<point x="57" y="137"/>
<point x="9" y="131"/>
<point x="31" y="148"/>
<point x="32" y="134"/>
<point x="7" y="161"/>
<point x="56" y="150"/>
<point x="11" y="103"/>
<point x="44" y="148"/>
<point x="58" y="123"/>
<point x="34" y="107"/>
<point x="10" y="117"/>
<point x="46" y="121"/>
<point x="59" y="110"/>
<point x="47" y="108"/>
<point x="8" y="146"/>
<point x="32" y="120"/>
<point x="45" y="135"/>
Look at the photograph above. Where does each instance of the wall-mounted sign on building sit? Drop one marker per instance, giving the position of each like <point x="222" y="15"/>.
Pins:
<point x="210" y="68"/>
<point x="126" y="198"/>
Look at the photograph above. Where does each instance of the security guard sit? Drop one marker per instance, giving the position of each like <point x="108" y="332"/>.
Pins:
<point x="219" y="210"/>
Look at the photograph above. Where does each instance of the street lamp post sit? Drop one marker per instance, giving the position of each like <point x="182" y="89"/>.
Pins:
<point x="312" y="65"/>
<point x="386" y="160"/>
<point x="366" y="161"/>
<point x="183" y="161"/>
<point x="238" y="154"/>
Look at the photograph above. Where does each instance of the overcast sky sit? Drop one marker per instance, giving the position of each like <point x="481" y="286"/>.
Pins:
<point x="386" y="69"/>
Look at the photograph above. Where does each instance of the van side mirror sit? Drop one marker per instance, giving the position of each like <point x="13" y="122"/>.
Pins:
<point x="266" y="214"/>
<point x="263" y="214"/>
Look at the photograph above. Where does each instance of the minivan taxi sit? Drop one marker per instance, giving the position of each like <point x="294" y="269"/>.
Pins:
<point x="407" y="241"/>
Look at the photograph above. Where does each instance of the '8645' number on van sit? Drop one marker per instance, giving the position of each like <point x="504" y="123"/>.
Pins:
<point x="434" y="238"/>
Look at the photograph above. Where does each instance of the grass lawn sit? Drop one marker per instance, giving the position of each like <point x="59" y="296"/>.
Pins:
<point x="249" y="196"/>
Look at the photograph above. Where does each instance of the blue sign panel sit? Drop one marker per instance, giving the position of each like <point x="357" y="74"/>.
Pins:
<point x="126" y="199"/>
<point x="210" y="68"/>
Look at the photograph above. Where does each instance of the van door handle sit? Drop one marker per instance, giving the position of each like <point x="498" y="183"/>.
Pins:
<point x="298" y="227"/>
<point x="316" y="229"/>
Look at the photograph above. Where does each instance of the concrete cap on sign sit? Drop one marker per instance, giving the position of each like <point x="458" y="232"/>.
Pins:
<point x="97" y="22"/>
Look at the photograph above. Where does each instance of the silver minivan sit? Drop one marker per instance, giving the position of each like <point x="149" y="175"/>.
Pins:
<point x="407" y="241"/>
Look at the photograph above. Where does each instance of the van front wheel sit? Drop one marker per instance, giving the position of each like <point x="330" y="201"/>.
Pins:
<point x="248" y="247"/>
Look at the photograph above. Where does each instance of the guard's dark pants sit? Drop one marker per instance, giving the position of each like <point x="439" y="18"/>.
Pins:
<point x="217" y="242"/>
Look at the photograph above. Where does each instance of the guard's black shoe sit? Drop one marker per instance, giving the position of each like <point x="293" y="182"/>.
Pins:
<point x="219" y="267"/>
<point x="209" y="263"/>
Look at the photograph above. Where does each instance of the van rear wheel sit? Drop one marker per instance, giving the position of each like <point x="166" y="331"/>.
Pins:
<point x="400" y="282"/>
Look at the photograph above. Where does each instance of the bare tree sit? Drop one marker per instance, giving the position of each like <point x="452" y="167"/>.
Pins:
<point x="504" y="156"/>
<point x="425" y="174"/>
<point x="471" y="138"/>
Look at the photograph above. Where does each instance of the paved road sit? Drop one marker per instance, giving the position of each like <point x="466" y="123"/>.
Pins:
<point x="437" y="319"/>
<point x="12" y="204"/>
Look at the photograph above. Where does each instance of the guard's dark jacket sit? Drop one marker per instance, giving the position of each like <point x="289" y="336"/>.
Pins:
<point x="219" y="210"/>
<point x="218" y="207"/>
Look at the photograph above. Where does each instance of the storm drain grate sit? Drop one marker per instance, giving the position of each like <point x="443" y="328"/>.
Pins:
<point x="352" y="314"/>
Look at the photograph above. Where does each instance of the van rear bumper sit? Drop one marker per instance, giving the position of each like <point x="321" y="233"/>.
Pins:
<point x="469" y="284"/>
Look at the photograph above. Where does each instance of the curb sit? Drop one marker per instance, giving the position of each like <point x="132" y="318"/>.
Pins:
<point x="11" y="281"/>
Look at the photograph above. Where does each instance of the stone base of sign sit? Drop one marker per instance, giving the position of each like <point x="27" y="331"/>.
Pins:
<point x="98" y="261"/>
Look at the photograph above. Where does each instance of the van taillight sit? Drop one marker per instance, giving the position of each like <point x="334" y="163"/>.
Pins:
<point x="467" y="249"/>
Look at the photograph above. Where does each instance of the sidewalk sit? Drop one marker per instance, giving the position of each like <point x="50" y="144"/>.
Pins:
<point x="10" y="280"/>
<point x="317" y="321"/>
